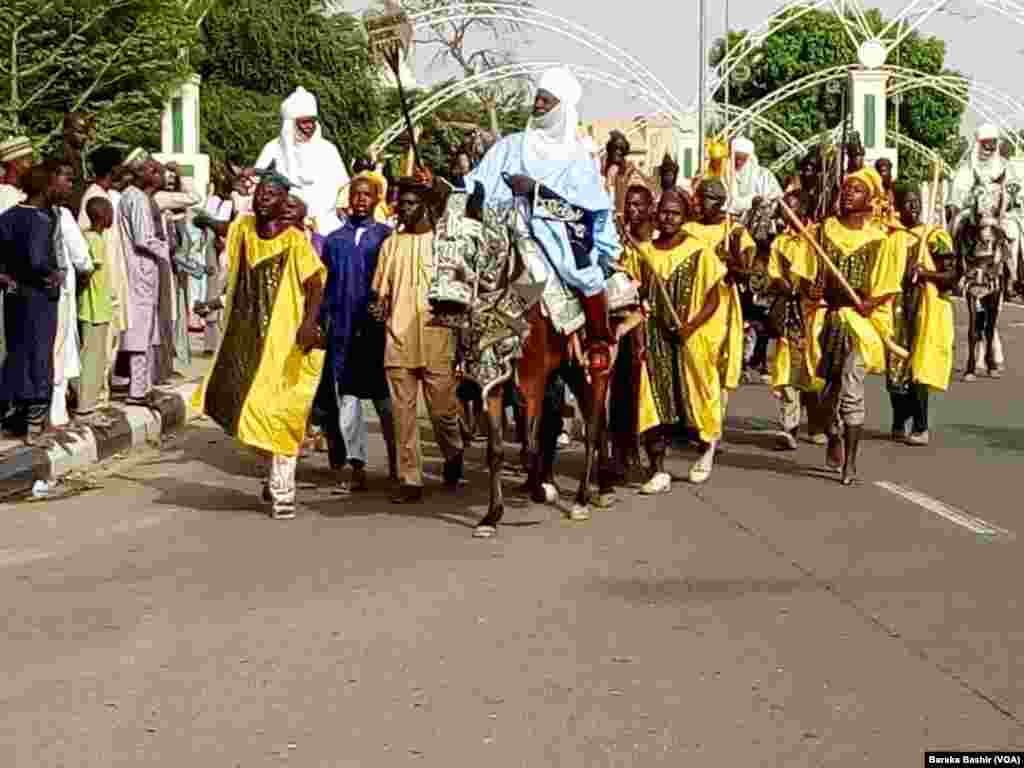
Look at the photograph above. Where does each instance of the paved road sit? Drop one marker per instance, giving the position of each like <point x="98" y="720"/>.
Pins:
<point x="769" y="618"/>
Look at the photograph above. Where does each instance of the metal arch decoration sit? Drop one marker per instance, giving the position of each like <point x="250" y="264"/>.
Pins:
<point x="527" y="69"/>
<point x="550" y="22"/>
<point x="902" y="74"/>
<point x="834" y="133"/>
<point x="505" y="72"/>
<point x="913" y="15"/>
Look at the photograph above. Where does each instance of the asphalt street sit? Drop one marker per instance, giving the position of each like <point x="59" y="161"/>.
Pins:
<point x="771" y="617"/>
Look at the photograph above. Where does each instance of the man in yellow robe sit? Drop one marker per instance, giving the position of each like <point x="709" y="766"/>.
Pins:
<point x="736" y="249"/>
<point x="922" y="318"/>
<point x="686" y="328"/>
<point x="797" y="314"/>
<point x="851" y="341"/>
<point x="261" y="386"/>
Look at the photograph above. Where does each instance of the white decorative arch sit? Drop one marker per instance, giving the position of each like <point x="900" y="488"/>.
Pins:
<point x="834" y="134"/>
<point x="550" y="22"/>
<point x="851" y="12"/>
<point x="905" y="80"/>
<point x="528" y="69"/>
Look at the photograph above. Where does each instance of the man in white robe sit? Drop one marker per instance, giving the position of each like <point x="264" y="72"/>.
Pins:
<point x="72" y="256"/>
<point x="750" y="180"/>
<point x="312" y="164"/>
<point x="984" y="165"/>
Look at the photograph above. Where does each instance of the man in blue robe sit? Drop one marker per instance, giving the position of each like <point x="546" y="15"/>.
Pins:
<point x="570" y="213"/>
<point x="29" y="247"/>
<point x="354" y="369"/>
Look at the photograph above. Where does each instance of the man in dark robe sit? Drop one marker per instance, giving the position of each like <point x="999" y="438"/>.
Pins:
<point x="29" y="243"/>
<point x="354" y="367"/>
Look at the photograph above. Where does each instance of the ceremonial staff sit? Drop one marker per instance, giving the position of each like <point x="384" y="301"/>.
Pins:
<point x="390" y="34"/>
<point x="890" y="345"/>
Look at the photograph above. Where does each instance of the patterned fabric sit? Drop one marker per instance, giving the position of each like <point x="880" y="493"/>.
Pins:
<point x="668" y="379"/>
<point x="472" y="293"/>
<point x="856" y="267"/>
<point x="906" y="310"/>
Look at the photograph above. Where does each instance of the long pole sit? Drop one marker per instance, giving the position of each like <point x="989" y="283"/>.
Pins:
<point x="702" y="71"/>
<point x="726" y="56"/>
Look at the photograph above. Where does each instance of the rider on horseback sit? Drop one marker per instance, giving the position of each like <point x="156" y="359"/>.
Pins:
<point x="570" y="216"/>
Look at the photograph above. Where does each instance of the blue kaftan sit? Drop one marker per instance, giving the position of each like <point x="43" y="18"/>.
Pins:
<point x="558" y="229"/>
<point x="355" y="345"/>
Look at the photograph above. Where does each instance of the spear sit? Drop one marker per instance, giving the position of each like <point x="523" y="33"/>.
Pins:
<point x="390" y="35"/>
<point x="890" y="345"/>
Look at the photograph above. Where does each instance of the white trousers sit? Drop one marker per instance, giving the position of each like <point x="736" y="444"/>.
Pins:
<point x="282" y="479"/>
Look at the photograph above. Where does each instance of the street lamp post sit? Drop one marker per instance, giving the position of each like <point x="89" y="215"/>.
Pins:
<point x="702" y="84"/>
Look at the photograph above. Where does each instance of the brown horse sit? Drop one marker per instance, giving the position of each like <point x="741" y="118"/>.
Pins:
<point x="504" y="333"/>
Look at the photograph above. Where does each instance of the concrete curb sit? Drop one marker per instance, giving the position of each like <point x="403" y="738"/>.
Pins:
<point x="77" y="448"/>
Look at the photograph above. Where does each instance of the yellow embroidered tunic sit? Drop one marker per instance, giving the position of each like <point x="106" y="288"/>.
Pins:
<point x="923" y="319"/>
<point x="790" y="258"/>
<point x="732" y="357"/>
<point x="675" y="383"/>
<point x="866" y="260"/>
<point x="261" y="386"/>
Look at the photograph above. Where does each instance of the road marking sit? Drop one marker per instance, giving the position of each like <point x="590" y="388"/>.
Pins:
<point x="954" y="515"/>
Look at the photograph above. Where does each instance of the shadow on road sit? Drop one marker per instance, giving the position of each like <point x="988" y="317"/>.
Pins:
<point x="1000" y="438"/>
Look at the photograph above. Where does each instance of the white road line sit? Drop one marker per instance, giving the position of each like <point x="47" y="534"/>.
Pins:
<point x="954" y="515"/>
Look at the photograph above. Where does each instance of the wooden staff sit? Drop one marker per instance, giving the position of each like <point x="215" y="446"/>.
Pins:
<point x="890" y="345"/>
<point x="663" y="293"/>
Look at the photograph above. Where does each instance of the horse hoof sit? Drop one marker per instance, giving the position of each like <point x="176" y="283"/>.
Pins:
<point x="970" y="377"/>
<point x="605" y="500"/>
<point x="550" y="493"/>
<point x="485" y="532"/>
<point x="579" y="513"/>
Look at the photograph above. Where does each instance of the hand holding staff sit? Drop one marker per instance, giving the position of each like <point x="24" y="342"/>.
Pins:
<point x="890" y="345"/>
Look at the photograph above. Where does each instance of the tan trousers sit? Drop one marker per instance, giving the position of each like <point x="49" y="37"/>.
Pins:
<point x="94" y="359"/>
<point x="443" y="407"/>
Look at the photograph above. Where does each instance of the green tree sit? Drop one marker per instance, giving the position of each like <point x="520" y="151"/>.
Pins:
<point x="817" y="41"/>
<point x="119" y="59"/>
<point x="255" y="52"/>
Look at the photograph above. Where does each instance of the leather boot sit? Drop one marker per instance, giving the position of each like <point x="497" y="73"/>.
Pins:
<point x="852" y="445"/>
<point x="599" y="332"/>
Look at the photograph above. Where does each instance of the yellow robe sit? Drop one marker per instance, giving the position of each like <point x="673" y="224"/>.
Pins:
<point x="701" y="353"/>
<point x="884" y="276"/>
<point x="931" y="358"/>
<point x="714" y="235"/>
<point x="261" y="385"/>
<point x="791" y="366"/>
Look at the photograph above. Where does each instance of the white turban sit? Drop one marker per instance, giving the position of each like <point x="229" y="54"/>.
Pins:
<point x="562" y="84"/>
<point x="742" y="146"/>
<point x="301" y="103"/>
<point x="987" y="132"/>
<point x="552" y="136"/>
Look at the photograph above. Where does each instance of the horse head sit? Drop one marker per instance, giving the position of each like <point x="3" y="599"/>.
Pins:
<point x="760" y="222"/>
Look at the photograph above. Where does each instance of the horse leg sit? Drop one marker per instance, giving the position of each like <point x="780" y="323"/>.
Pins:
<point x="594" y="403"/>
<point x="488" y="527"/>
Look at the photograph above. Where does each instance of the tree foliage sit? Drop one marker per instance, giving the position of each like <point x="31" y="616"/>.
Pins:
<point x="119" y="59"/>
<point x="255" y="52"/>
<point x="817" y="41"/>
